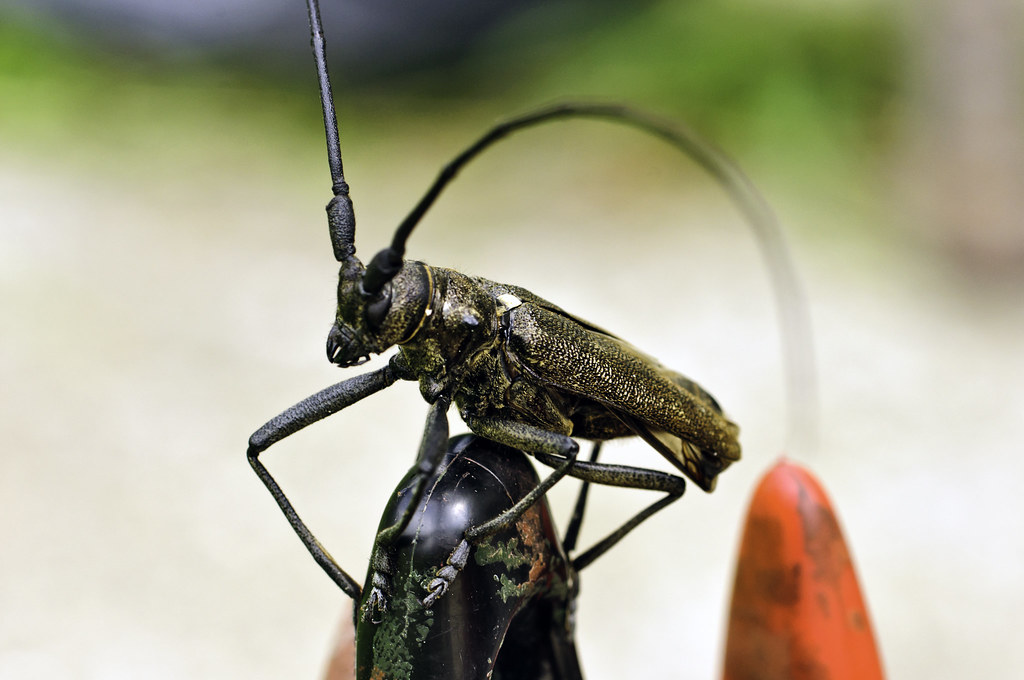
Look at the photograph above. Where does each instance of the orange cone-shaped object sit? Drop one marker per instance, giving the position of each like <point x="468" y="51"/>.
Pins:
<point x="797" y="611"/>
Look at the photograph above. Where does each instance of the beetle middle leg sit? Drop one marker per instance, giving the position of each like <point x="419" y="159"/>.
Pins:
<point x="591" y="472"/>
<point x="558" y="448"/>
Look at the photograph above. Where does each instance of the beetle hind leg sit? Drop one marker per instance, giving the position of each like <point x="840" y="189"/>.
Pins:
<point x="572" y="531"/>
<point x="592" y="472"/>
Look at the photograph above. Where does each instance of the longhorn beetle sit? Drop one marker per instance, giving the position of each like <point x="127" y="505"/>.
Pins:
<point x="522" y="371"/>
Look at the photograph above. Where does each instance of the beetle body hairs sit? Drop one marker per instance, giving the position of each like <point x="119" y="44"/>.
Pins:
<point x="522" y="371"/>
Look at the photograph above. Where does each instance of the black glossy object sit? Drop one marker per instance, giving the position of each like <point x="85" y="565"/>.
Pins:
<point x="508" y="615"/>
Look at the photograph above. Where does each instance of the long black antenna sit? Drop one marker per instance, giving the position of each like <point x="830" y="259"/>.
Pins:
<point x="794" y="319"/>
<point x="341" y="218"/>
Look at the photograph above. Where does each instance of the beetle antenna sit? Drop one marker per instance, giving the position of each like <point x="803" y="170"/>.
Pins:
<point x="791" y="306"/>
<point x="341" y="218"/>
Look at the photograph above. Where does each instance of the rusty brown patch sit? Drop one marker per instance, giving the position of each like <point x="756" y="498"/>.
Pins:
<point x="530" y="529"/>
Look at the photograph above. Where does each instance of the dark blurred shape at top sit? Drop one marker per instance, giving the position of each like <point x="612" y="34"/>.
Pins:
<point x="373" y="38"/>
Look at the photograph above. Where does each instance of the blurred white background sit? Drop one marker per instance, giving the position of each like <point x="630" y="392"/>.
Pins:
<point x="166" y="286"/>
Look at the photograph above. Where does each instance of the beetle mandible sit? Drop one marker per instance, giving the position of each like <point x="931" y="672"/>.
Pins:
<point x="522" y="371"/>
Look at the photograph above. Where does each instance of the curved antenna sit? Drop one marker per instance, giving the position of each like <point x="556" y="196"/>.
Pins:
<point x="341" y="218"/>
<point x="791" y="306"/>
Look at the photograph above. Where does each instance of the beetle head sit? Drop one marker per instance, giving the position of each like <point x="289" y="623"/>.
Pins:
<point x="371" y="322"/>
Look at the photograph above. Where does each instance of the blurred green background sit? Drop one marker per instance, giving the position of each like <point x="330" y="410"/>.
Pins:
<point x="166" y="286"/>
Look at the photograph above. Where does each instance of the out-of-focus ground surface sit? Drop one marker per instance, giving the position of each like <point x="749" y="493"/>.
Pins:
<point x="166" y="285"/>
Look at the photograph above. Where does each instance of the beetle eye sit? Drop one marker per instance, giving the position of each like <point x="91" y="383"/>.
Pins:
<point x="377" y="309"/>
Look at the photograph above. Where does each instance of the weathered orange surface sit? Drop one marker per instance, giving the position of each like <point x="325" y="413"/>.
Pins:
<point x="797" y="611"/>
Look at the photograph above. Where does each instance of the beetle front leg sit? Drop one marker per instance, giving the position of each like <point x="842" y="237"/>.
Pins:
<point x="306" y="412"/>
<point x="527" y="438"/>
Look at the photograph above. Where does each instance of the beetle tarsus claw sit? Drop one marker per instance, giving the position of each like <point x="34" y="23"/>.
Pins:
<point x="375" y="607"/>
<point x="437" y="588"/>
<point x="376" y="604"/>
<point x="445" y="576"/>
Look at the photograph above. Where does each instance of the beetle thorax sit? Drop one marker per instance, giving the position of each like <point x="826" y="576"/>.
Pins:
<point x="460" y="329"/>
